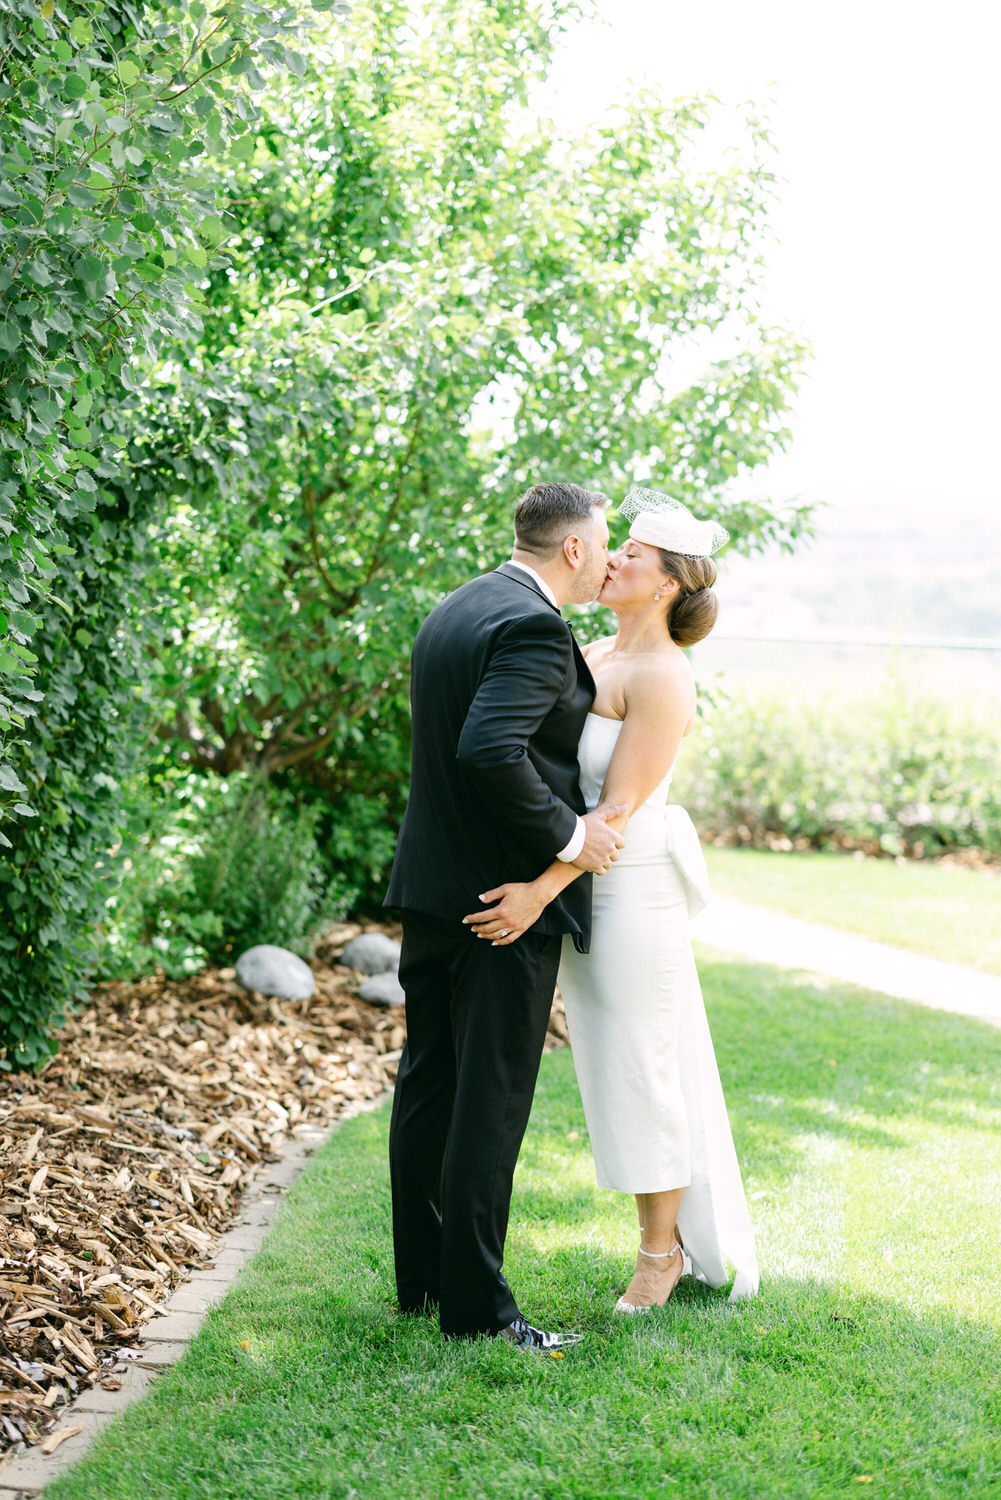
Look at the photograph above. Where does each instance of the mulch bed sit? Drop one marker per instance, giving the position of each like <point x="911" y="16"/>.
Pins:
<point x="126" y="1159"/>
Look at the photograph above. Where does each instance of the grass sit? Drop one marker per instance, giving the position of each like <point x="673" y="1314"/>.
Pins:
<point x="869" y="1136"/>
<point x="949" y="913"/>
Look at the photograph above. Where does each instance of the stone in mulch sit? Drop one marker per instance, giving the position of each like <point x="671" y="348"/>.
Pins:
<point x="382" y="989"/>
<point x="275" y="971"/>
<point x="372" y="953"/>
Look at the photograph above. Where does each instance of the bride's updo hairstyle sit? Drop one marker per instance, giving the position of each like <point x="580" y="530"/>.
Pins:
<point x="686" y="546"/>
<point x="696" y="606"/>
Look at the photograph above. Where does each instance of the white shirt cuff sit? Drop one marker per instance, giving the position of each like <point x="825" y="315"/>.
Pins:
<point x="576" y="844"/>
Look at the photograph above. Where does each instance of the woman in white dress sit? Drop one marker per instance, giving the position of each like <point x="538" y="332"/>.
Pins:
<point x="644" y="1058"/>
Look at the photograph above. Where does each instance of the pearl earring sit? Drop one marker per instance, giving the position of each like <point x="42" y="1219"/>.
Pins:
<point x="657" y="594"/>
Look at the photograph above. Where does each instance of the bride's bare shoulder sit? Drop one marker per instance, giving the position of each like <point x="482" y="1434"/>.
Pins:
<point x="594" y="650"/>
<point x="666" y="673"/>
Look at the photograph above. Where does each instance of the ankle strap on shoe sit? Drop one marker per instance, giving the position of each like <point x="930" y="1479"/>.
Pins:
<point x="660" y="1254"/>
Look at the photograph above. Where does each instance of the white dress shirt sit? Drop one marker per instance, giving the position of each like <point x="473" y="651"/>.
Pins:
<point x="571" y="850"/>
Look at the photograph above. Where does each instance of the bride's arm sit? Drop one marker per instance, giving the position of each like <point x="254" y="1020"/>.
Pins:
<point x="659" y="703"/>
<point x="659" y="708"/>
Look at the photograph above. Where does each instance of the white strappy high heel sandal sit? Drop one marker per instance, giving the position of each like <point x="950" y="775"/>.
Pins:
<point x="644" y="1307"/>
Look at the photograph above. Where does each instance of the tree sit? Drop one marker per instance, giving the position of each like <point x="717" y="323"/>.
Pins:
<point x="425" y="300"/>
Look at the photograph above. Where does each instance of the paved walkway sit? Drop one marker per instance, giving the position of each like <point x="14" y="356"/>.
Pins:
<point x="771" y="937"/>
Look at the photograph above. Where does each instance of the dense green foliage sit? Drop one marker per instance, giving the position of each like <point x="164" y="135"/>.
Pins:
<point x="107" y="113"/>
<point x="856" y="1370"/>
<point x="892" y="773"/>
<point x="280" y="357"/>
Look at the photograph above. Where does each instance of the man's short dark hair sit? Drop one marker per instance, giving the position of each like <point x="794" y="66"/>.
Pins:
<point x="547" y="513"/>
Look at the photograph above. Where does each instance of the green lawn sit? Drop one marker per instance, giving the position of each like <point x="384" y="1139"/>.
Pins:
<point x="949" y="913"/>
<point x="870" y="1363"/>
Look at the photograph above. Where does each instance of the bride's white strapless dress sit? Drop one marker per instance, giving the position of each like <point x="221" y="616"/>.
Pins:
<point x="640" y="1038"/>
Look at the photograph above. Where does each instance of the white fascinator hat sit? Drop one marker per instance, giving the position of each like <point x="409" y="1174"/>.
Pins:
<point x="661" y="521"/>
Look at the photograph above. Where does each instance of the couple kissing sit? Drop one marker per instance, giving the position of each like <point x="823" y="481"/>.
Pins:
<point x="539" y="846"/>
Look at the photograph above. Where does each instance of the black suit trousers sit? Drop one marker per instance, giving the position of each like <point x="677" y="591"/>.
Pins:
<point x="476" y="1024"/>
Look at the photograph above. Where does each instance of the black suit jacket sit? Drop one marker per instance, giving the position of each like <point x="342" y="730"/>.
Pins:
<point x="499" y="694"/>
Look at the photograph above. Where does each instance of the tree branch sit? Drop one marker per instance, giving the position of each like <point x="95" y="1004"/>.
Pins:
<point x="198" y="753"/>
<point x="394" y="508"/>
<point x="264" y="711"/>
<point x="201" y="41"/>
<point x="303" y="751"/>
<point x="295" y="718"/>
<point x="212" y="710"/>
<point x="119" y="308"/>
<point x="168" y="98"/>
<point x="344" y="602"/>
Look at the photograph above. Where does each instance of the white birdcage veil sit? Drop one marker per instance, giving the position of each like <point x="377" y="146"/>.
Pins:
<point x="661" y="521"/>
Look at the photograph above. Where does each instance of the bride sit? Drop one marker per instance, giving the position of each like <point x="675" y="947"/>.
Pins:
<point x="644" y="1057"/>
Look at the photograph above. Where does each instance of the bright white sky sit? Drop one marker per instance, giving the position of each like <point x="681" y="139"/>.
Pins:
<point x="886" y="116"/>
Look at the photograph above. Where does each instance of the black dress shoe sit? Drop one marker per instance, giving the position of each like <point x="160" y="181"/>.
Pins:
<point x="522" y="1335"/>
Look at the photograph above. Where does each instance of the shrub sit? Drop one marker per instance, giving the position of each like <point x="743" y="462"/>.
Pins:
<point x="890" y="774"/>
<point x="221" y="866"/>
<point x="360" y="844"/>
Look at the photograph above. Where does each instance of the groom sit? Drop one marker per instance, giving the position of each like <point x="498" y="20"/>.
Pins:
<point x="499" y="693"/>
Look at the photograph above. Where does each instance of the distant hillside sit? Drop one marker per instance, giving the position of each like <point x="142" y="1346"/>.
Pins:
<point x="866" y="575"/>
<point x="869" y="573"/>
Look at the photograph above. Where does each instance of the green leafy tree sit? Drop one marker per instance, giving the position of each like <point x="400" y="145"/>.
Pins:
<point x="425" y="300"/>
<point x="114" y="119"/>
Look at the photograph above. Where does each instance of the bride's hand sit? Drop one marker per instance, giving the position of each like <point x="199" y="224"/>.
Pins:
<point x="518" y="906"/>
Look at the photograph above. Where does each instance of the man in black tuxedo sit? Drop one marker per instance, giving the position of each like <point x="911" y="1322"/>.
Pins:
<point x="500" y="692"/>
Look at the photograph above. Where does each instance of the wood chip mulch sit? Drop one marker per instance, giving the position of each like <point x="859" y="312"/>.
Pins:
<point x="126" y="1159"/>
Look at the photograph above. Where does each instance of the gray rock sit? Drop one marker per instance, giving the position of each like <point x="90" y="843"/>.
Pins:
<point x="274" y="971"/>
<point x="372" y="953"/>
<point x="382" y="989"/>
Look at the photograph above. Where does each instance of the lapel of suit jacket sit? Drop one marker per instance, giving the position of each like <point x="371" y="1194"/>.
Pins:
<point x="518" y="575"/>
